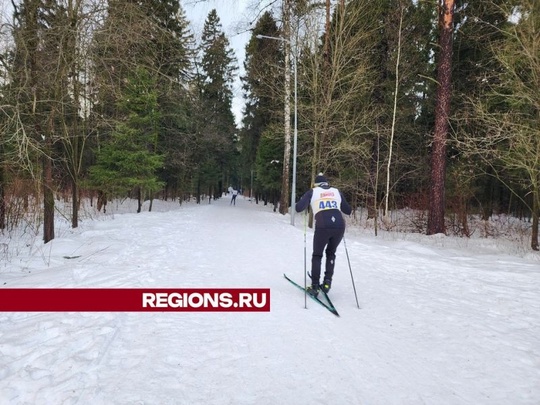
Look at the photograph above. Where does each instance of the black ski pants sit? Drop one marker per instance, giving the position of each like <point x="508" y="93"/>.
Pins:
<point x="329" y="238"/>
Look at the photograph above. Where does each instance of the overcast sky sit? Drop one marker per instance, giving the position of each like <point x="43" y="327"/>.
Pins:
<point x="235" y="16"/>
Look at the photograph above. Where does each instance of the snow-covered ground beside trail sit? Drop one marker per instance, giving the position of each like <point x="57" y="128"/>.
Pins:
<point x="439" y="323"/>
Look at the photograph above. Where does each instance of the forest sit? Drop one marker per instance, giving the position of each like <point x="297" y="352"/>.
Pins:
<point x="426" y="106"/>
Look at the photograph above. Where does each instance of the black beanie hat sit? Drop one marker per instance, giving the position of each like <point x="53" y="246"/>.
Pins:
<point x="320" y="180"/>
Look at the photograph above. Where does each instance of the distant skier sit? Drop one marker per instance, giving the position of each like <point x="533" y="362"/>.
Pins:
<point x="233" y="199"/>
<point x="328" y="204"/>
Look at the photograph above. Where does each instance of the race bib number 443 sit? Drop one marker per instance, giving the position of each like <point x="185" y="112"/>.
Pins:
<point x="328" y="205"/>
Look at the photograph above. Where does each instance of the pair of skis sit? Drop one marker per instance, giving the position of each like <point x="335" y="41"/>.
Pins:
<point x="327" y="303"/>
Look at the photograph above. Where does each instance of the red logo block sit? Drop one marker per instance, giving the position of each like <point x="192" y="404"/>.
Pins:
<point x="134" y="300"/>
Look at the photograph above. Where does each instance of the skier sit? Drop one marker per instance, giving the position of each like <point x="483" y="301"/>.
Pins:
<point x="328" y="204"/>
<point x="234" y="194"/>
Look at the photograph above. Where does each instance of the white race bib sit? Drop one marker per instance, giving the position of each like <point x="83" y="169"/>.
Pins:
<point x="325" y="199"/>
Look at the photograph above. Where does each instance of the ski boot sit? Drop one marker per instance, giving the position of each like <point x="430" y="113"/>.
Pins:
<point x="325" y="287"/>
<point x="313" y="290"/>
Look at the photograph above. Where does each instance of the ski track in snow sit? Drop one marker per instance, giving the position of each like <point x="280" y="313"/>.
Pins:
<point x="437" y="325"/>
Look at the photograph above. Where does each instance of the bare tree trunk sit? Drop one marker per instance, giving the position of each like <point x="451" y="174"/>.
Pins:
<point x="73" y="11"/>
<point x="535" y="223"/>
<point x="2" y="194"/>
<point x="380" y="122"/>
<point x="139" y="200"/>
<point x="284" y="201"/>
<point x="442" y="109"/>
<point x="74" y="175"/>
<point x="48" y="196"/>
<point x="74" y="204"/>
<point x="386" y="217"/>
<point x="198" y="188"/>
<point x="373" y="179"/>
<point x="327" y="30"/>
<point x="375" y="182"/>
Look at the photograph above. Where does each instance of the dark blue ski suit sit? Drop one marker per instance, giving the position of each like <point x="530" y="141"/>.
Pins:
<point x="328" y="204"/>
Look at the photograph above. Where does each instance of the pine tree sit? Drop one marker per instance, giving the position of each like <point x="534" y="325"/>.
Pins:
<point x="218" y="66"/>
<point x="174" y="63"/>
<point x="438" y="152"/>
<point x="263" y="88"/>
<point x="216" y="126"/>
<point x="128" y="160"/>
<point x="481" y="28"/>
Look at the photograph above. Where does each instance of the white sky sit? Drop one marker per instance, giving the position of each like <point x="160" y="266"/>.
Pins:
<point x="235" y="16"/>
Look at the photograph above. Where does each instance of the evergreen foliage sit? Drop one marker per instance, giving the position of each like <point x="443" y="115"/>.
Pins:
<point x="216" y="129"/>
<point x="263" y="93"/>
<point x="129" y="160"/>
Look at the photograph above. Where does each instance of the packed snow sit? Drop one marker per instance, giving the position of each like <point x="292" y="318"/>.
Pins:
<point x="439" y="322"/>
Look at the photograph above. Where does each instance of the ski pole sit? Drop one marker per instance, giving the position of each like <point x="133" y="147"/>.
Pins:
<point x="305" y="269"/>
<point x="350" y="269"/>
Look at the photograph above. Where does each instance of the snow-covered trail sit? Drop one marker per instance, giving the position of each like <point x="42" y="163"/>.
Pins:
<point x="437" y="325"/>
